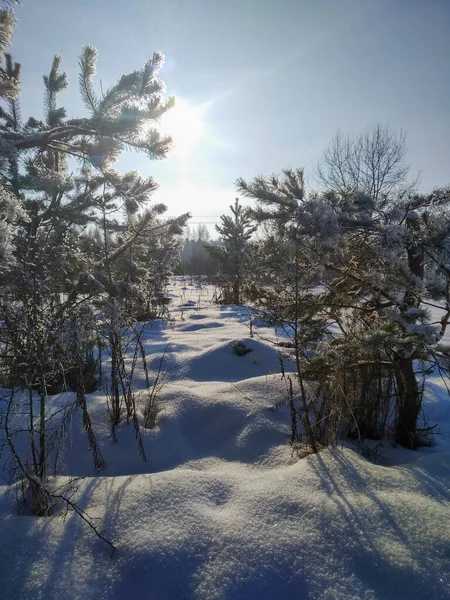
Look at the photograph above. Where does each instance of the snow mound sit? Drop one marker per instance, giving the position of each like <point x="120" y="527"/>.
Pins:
<point x="222" y="509"/>
<point x="222" y="364"/>
<point x="330" y="526"/>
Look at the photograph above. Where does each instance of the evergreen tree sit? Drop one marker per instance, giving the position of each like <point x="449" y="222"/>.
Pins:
<point x="50" y="267"/>
<point x="377" y="276"/>
<point x="235" y="231"/>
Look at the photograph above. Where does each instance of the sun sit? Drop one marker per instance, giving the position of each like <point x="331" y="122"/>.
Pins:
<point x="184" y="123"/>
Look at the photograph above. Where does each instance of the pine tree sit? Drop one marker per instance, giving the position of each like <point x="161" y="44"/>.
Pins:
<point x="50" y="267"/>
<point x="236" y="231"/>
<point x="377" y="275"/>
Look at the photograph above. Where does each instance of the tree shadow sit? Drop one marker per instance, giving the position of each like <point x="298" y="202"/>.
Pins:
<point x="361" y="510"/>
<point x="430" y="482"/>
<point x="235" y="312"/>
<point x="48" y="551"/>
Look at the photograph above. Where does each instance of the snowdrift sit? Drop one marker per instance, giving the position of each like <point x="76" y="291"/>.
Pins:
<point x="222" y="509"/>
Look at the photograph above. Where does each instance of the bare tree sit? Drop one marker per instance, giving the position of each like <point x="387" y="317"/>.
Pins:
<point x="373" y="162"/>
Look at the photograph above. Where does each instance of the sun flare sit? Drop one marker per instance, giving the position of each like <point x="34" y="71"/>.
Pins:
<point x="184" y="123"/>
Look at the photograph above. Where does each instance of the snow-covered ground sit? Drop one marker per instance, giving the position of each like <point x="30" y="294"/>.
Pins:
<point x="222" y="509"/>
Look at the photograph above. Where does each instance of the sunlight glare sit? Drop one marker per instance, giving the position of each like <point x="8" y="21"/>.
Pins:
<point x="184" y="123"/>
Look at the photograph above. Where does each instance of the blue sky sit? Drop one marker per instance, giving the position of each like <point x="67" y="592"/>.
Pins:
<point x="272" y="80"/>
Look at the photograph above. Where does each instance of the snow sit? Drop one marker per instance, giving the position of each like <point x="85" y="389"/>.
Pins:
<point x="223" y="509"/>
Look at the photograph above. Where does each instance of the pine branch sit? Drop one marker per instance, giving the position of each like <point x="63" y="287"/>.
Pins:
<point x="7" y="22"/>
<point x="16" y="117"/>
<point x="54" y="82"/>
<point x="87" y="64"/>
<point x="118" y="94"/>
<point x="9" y="85"/>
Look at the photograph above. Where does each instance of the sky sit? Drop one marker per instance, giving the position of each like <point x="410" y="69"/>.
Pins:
<point x="260" y="84"/>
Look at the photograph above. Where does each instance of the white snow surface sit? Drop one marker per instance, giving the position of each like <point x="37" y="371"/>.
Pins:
<point x="222" y="509"/>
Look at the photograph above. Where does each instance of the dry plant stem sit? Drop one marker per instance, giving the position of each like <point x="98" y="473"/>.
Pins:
<point x="121" y="379"/>
<point x="9" y="438"/>
<point x="42" y="429"/>
<point x="294" y="433"/>
<point x="99" y="462"/>
<point x="81" y="513"/>
<point x="305" y="418"/>
<point x="143" y="355"/>
<point x="150" y="409"/>
<point x="31" y="426"/>
<point x="72" y="505"/>
<point x="126" y="380"/>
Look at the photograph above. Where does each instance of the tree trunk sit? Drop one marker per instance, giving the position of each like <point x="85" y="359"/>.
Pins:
<point x="42" y="429"/>
<point x="236" y="292"/>
<point x="237" y="280"/>
<point x="409" y="403"/>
